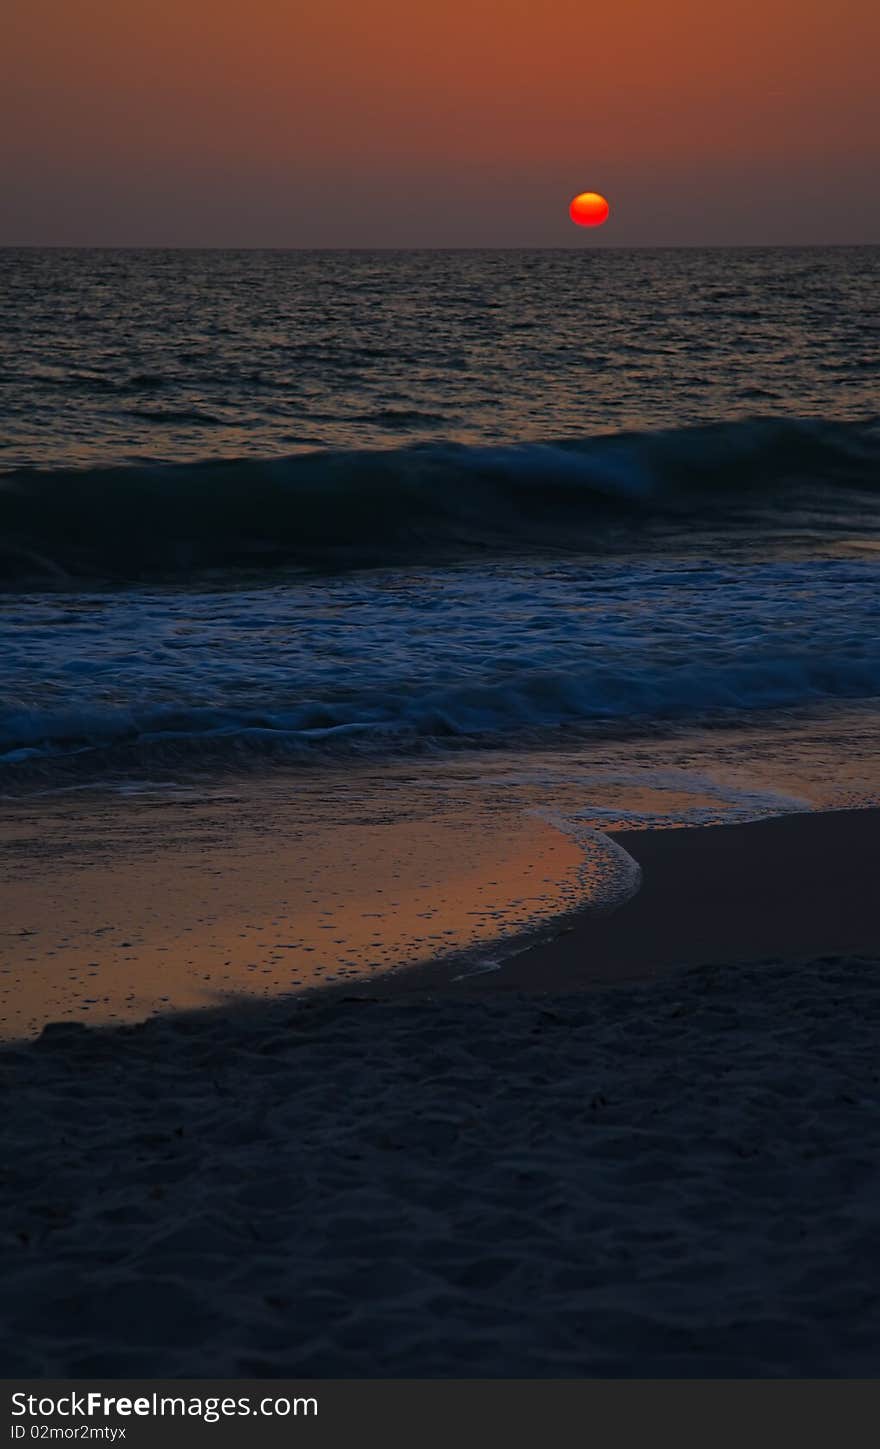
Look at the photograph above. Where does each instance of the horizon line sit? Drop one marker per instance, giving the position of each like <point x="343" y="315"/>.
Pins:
<point x="423" y="247"/>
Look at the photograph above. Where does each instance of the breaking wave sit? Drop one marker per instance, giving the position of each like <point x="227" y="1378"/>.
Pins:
<point x="404" y="719"/>
<point x="432" y="502"/>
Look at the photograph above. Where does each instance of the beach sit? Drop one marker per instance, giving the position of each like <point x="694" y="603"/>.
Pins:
<point x="438" y="811"/>
<point x="788" y="887"/>
<point x="531" y="1171"/>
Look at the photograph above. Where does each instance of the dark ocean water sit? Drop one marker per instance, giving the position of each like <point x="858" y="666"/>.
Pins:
<point x="285" y="504"/>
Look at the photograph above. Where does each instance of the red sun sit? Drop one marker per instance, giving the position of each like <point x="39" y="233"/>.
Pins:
<point x="589" y="209"/>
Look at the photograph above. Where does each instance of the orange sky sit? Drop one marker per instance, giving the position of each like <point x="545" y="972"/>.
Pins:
<point x="445" y="122"/>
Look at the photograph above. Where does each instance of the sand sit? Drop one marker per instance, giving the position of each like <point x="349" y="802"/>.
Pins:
<point x="791" y="886"/>
<point x="113" y="908"/>
<point x="675" y="1177"/>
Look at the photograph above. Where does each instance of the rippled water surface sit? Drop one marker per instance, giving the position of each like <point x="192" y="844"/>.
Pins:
<point x="112" y="356"/>
<point x="295" y="505"/>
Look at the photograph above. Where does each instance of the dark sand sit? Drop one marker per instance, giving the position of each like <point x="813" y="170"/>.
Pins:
<point x="677" y="1177"/>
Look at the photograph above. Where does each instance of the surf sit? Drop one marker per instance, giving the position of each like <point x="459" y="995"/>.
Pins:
<point x="343" y="509"/>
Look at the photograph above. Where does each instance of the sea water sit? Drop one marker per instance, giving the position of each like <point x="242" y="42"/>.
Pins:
<point x="263" y="506"/>
<point x="347" y="599"/>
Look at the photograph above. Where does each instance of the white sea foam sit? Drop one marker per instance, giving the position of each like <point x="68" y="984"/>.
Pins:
<point x="382" y="662"/>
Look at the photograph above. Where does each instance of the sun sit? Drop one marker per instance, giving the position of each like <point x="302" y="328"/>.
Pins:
<point x="589" y="209"/>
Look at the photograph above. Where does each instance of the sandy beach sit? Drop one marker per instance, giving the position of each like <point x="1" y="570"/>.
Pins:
<point x="788" y="887"/>
<point x="510" y="1175"/>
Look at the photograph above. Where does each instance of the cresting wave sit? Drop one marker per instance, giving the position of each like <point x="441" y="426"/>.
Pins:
<point x="430" y="502"/>
<point x="71" y="741"/>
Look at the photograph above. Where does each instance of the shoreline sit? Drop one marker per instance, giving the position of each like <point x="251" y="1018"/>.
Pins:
<point x="158" y="907"/>
<point x="114" y="910"/>
<point x="786" y="887"/>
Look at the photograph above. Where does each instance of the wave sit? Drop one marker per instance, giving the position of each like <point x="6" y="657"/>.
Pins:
<point x="431" y="501"/>
<point x="532" y="708"/>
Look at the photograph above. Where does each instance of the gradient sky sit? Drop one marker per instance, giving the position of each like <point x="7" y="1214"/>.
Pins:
<point x="437" y="122"/>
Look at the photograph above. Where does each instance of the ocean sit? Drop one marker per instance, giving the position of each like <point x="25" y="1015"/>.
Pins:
<point x="349" y="601"/>
<point x="265" y="508"/>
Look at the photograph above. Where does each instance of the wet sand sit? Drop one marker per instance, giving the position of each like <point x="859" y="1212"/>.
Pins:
<point x="793" y="886"/>
<point x="112" y="909"/>
<point x="158" y="896"/>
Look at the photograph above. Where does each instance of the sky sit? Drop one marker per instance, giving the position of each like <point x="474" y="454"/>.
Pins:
<point x="371" y="123"/>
